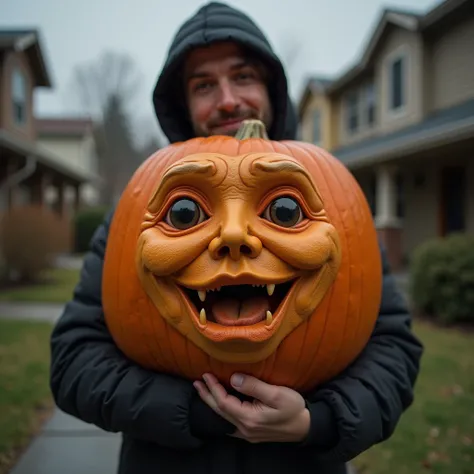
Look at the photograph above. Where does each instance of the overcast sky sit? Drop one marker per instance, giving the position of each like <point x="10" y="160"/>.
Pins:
<point x="330" y="35"/>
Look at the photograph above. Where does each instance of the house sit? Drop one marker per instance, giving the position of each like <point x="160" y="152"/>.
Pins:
<point x="402" y="120"/>
<point x="28" y="169"/>
<point x="72" y="139"/>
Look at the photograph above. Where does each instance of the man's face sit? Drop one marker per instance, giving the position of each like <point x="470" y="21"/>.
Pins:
<point x="223" y="88"/>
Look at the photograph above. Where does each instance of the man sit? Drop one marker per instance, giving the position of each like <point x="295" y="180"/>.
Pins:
<point x="221" y="70"/>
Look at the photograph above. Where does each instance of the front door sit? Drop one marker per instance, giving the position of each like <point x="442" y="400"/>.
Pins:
<point x="453" y="200"/>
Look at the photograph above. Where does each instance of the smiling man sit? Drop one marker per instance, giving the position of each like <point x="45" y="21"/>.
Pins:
<point x="221" y="70"/>
<point x="224" y="86"/>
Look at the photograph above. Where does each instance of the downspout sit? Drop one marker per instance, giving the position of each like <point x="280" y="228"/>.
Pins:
<point x="16" y="178"/>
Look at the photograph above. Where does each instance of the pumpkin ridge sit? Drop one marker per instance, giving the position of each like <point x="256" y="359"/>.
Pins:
<point x="337" y="178"/>
<point x="362" y="228"/>
<point x="308" y="152"/>
<point x="161" y="162"/>
<point x="147" y="176"/>
<point x="302" y="378"/>
<point x="121" y="240"/>
<point x="183" y="150"/>
<point x="343" y="181"/>
<point x="167" y="159"/>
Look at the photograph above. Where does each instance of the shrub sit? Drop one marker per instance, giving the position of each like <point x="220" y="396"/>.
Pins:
<point x="30" y="237"/>
<point x="86" y="223"/>
<point x="442" y="279"/>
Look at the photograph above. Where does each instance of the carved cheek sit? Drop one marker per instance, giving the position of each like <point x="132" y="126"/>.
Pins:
<point x="307" y="249"/>
<point x="167" y="254"/>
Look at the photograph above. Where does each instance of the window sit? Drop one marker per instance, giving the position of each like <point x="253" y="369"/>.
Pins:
<point x="370" y="103"/>
<point x="316" y="127"/>
<point x="19" y="97"/>
<point x="397" y="93"/>
<point x="352" y="112"/>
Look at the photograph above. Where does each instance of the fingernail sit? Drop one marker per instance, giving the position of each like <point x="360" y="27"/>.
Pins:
<point x="237" y="380"/>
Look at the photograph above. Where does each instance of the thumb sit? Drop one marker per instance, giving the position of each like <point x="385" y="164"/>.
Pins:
<point x="255" y="388"/>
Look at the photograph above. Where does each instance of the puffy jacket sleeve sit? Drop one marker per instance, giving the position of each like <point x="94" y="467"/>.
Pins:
<point x="93" y="381"/>
<point x="363" y="405"/>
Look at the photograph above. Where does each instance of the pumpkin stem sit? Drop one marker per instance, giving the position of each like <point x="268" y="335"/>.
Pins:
<point x="252" y="129"/>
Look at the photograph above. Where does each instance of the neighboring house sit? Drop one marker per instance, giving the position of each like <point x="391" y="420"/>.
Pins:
<point x="402" y="120"/>
<point x="72" y="139"/>
<point x="28" y="170"/>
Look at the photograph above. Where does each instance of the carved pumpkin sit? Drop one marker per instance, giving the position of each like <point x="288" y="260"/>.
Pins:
<point x="242" y="254"/>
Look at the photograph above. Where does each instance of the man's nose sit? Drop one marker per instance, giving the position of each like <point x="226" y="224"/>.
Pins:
<point x="235" y="240"/>
<point x="228" y="100"/>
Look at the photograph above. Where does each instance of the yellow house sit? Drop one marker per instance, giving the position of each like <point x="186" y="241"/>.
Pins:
<point x="402" y="120"/>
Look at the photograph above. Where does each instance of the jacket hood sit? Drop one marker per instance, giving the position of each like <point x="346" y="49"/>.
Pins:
<point x="212" y="23"/>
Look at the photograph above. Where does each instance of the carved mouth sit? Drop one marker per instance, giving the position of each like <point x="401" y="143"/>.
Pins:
<point x="239" y="305"/>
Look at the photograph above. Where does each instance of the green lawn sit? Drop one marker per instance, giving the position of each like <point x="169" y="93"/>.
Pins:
<point x="56" y="286"/>
<point x="25" y="398"/>
<point x="436" y="434"/>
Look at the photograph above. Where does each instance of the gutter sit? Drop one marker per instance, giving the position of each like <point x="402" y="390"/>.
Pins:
<point x="401" y="146"/>
<point x="16" y="178"/>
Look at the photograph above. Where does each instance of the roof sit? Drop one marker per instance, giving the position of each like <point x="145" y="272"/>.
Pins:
<point x="314" y="85"/>
<point x="389" y="17"/>
<point x="405" y="19"/>
<point x="454" y="121"/>
<point x="45" y="157"/>
<point x="28" y="41"/>
<point x="63" y="126"/>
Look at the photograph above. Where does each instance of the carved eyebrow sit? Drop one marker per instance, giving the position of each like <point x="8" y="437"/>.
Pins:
<point x="280" y="166"/>
<point x="187" y="168"/>
<point x="183" y="169"/>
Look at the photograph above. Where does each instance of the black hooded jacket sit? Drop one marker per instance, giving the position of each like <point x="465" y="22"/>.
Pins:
<point x="166" y="427"/>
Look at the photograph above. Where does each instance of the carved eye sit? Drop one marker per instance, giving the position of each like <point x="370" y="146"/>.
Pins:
<point x="284" y="211"/>
<point x="184" y="214"/>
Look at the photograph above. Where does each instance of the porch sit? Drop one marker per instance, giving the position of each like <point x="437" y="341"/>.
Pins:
<point x="29" y="175"/>
<point x="417" y="180"/>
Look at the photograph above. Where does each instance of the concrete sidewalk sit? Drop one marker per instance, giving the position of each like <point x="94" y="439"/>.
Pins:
<point x="66" y="445"/>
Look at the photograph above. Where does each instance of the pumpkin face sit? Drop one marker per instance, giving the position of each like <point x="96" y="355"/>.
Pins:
<point x="256" y="256"/>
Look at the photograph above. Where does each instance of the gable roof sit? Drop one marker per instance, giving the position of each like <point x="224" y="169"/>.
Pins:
<point x="404" y="19"/>
<point x="28" y="41"/>
<point x="314" y="85"/>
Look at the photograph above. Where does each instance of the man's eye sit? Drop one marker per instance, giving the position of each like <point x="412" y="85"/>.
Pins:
<point x="202" y="87"/>
<point x="245" y="76"/>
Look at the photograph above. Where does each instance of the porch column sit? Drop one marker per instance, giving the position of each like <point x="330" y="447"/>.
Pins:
<point x="387" y="222"/>
<point x="77" y="198"/>
<point x="60" y="204"/>
<point x="38" y="188"/>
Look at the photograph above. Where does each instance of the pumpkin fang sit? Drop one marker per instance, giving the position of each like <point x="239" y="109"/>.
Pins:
<point x="239" y="305"/>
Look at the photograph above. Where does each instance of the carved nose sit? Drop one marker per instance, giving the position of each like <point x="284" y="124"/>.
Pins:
<point x="235" y="243"/>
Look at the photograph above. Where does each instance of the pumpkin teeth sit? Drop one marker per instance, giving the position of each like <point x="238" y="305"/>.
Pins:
<point x="202" y="317"/>
<point x="202" y="295"/>
<point x="270" y="289"/>
<point x="269" y="318"/>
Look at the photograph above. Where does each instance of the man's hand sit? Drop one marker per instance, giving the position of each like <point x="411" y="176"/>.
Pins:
<point x="277" y="414"/>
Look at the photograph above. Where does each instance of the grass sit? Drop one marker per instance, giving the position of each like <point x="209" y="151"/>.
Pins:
<point x="56" y="286"/>
<point x="436" y="434"/>
<point x="25" y="398"/>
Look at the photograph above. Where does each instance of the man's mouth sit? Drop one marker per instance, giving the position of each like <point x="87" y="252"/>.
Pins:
<point x="239" y="305"/>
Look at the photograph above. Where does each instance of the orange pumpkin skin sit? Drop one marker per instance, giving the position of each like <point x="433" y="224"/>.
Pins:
<point x="309" y="348"/>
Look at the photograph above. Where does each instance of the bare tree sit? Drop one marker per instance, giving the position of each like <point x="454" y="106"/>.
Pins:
<point x="111" y="74"/>
<point x="106" y="89"/>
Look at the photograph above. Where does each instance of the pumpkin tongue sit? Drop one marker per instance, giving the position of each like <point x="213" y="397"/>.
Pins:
<point x="234" y="312"/>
